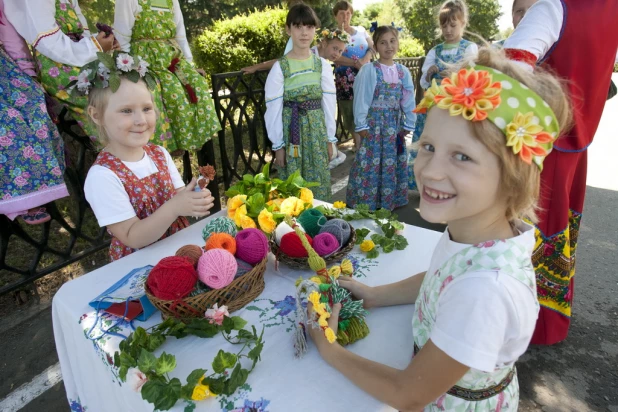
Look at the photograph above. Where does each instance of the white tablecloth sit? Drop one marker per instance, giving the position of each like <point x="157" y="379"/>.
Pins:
<point x="279" y="382"/>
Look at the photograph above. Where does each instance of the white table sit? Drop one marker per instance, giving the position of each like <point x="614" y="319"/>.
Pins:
<point x="279" y="382"/>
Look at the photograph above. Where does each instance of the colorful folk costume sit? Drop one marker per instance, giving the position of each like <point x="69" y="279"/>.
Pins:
<point x="495" y="276"/>
<point x="31" y="150"/>
<point x="440" y="56"/>
<point x="584" y="58"/>
<point x="300" y="117"/>
<point x="383" y="104"/>
<point x="155" y="31"/>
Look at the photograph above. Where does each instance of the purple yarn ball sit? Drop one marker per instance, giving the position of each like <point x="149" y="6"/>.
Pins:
<point x="325" y="243"/>
<point x="251" y="245"/>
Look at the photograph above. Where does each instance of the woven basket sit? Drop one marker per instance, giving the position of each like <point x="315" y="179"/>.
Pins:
<point x="236" y="295"/>
<point x="302" y="263"/>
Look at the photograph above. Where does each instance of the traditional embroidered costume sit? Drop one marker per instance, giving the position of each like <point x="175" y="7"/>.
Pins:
<point x="300" y="117"/>
<point x="383" y="104"/>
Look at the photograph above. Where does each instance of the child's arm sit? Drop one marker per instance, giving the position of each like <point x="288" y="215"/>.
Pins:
<point x="124" y="20"/>
<point x="403" y="292"/>
<point x="267" y="65"/>
<point x="273" y="118"/>
<point x="430" y="63"/>
<point x="408" y="102"/>
<point x="181" y="33"/>
<point x="364" y="87"/>
<point x="329" y="102"/>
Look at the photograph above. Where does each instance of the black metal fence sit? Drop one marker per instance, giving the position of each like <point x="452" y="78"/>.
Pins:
<point x="28" y="253"/>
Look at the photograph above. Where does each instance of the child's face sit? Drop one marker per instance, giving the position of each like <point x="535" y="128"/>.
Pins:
<point x="452" y="30"/>
<point x="332" y="49"/>
<point x="387" y="46"/>
<point x="458" y="177"/>
<point x="302" y="36"/>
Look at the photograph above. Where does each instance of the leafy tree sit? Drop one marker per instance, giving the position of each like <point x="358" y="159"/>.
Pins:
<point x="97" y="11"/>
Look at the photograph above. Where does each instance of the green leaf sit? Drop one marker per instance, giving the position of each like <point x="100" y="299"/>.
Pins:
<point x="255" y="203"/>
<point x="248" y="179"/>
<point x="133" y="76"/>
<point x="202" y="328"/>
<point x="166" y="363"/>
<point x="122" y="372"/>
<point x="377" y="238"/>
<point x="362" y="208"/>
<point x="228" y="324"/>
<point x="117" y="358"/>
<point x="163" y="395"/>
<point x="190" y="407"/>
<point x="107" y="60"/>
<point x="244" y="334"/>
<point x="237" y="378"/>
<point x="196" y="376"/>
<point x="147" y="361"/>
<point x="140" y="337"/>
<point x="373" y="253"/>
<point x="389" y="231"/>
<point x="266" y="171"/>
<point x="397" y="224"/>
<point x="400" y="242"/>
<point x="259" y="179"/>
<point x="383" y="213"/>
<point x="127" y="360"/>
<point x="361" y="234"/>
<point x="254" y="354"/>
<point x="216" y="385"/>
<point x="239" y="322"/>
<point x="388" y="245"/>
<point x="114" y="81"/>
<point x="223" y="361"/>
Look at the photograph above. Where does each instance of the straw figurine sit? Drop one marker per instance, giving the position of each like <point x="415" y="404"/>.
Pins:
<point x="207" y="174"/>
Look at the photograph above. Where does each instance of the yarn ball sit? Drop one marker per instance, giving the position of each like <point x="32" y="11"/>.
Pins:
<point x="221" y="241"/>
<point x="217" y="268"/>
<point x="325" y="243"/>
<point x="312" y="221"/>
<point x="282" y="229"/>
<point x="192" y="253"/>
<point x="219" y="225"/>
<point x="251" y="245"/>
<point x="243" y="268"/>
<point x="293" y="247"/>
<point x="338" y="228"/>
<point x="172" y="278"/>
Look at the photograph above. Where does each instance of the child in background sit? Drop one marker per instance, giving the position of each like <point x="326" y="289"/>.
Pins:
<point x="383" y="104"/>
<point x="453" y="19"/>
<point x="58" y="33"/>
<point x="155" y="31"/>
<point x="300" y="106"/>
<point x="134" y="187"/>
<point x="478" y="170"/>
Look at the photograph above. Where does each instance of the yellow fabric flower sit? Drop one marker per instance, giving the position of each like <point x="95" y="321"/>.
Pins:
<point x="292" y="206"/>
<point x="240" y="212"/>
<point x="277" y="204"/>
<point x="525" y="137"/>
<point x="266" y="221"/>
<point x="335" y="271"/>
<point x="234" y="203"/>
<point x="247" y="223"/>
<point x="62" y="95"/>
<point x="428" y="98"/>
<point x="346" y="267"/>
<point x="325" y="32"/>
<point x="339" y="205"/>
<point x="306" y="195"/>
<point x="367" y="245"/>
<point x="330" y="335"/>
<point x="201" y="392"/>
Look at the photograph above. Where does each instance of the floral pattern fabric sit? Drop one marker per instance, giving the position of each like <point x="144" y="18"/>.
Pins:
<point x="379" y="174"/>
<point x="146" y="195"/>
<point x="345" y="75"/>
<point x="185" y="93"/>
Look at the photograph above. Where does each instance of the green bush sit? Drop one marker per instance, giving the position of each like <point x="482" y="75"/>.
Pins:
<point x="410" y="47"/>
<point x="243" y="40"/>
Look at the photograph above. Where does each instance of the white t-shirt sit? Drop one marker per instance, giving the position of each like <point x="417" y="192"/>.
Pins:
<point x="105" y="192"/>
<point x="485" y="319"/>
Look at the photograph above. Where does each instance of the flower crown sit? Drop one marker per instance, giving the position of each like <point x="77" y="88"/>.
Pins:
<point x="478" y="93"/>
<point x="326" y="34"/>
<point x="106" y="70"/>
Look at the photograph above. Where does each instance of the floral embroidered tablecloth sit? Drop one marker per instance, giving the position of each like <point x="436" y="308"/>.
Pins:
<point x="280" y="382"/>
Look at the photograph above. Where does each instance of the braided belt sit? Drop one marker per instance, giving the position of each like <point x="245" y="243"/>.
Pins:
<point x="478" y="394"/>
<point x="299" y="109"/>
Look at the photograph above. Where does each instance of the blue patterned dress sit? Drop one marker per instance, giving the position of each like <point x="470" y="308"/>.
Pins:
<point x="441" y="61"/>
<point x="379" y="174"/>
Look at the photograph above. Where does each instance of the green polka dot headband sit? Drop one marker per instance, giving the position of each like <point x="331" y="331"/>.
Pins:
<point x="478" y="93"/>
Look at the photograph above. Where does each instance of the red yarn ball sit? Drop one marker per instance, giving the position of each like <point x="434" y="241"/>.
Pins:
<point x="172" y="278"/>
<point x="292" y="246"/>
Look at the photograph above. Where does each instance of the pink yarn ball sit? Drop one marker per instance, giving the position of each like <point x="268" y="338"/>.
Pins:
<point x="325" y="243"/>
<point x="217" y="268"/>
<point x="251" y="245"/>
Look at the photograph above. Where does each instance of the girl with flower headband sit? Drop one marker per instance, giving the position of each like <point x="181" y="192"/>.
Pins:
<point x="155" y="30"/>
<point x="383" y="104"/>
<point x="133" y="187"/>
<point x="452" y="20"/>
<point x="489" y="127"/>
<point x="62" y="44"/>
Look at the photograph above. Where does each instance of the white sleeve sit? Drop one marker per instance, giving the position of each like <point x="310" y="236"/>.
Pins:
<point x="471" y="51"/>
<point x="174" y="173"/>
<point x="107" y="197"/>
<point x="34" y="20"/>
<point x="181" y="33"/>
<point x="474" y="316"/>
<point x="124" y="20"/>
<point x="430" y="60"/>
<point x="273" y="118"/>
<point x="364" y="88"/>
<point x="539" y="29"/>
<point x="329" y="101"/>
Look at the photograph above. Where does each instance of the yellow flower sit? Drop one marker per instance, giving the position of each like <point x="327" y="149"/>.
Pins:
<point x="234" y="203"/>
<point x="266" y="221"/>
<point x="306" y="195"/>
<point x="325" y="32"/>
<point x="339" y="205"/>
<point x="346" y="267"/>
<point x="240" y="212"/>
<point x="469" y="93"/>
<point x="247" y="223"/>
<point x="292" y="206"/>
<point x="367" y="245"/>
<point x="72" y="14"/>
<point x="201" y="392"/>
<point x="62" y="95"/>
<point x="428" y="97"/>
<point x="330" y="335"/>
<point x="525" y="137"/>
<point x="277" y="204"/>
<point x="335" y="271"/>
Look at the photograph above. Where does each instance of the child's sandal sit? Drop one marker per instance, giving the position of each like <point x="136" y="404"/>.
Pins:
<point x="37" y="217"/>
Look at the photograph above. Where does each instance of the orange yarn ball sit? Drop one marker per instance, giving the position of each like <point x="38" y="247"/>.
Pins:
<point x="192" y="253"/>
<point x="221" y="241"/>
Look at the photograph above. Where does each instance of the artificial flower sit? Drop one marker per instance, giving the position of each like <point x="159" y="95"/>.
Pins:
<point x="306" y="195"/>
<point x="136" y="379"/>
<point x="524" y="136"/>
<point x="201" y="392"/>
<point x="234" y="203"/>
<point x="277" y="204"/>
<point x="240" y="212"/>
<point x="125" y="62"/>
<point x="428" y="98"/>
<point x="292" y="206"/>
<point x="339" y="205"/>
<point x="367" y="245"/>
<point x="469" y="93"/>
<point x="330" y="335"/>
<point x="266" y="221"/>
<point x="247" y="223"/>
<point x="346" y="267"/>
<point x="103" y="71"/>
<point x="142" y="67"/>
<point x="83" y="82"/>
<point x="334" y="271"/>
<point x="216" y="314"/>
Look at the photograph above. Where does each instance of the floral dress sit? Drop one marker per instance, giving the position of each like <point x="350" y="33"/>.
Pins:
<point x="345" y="75"/>
<point x="379" y="174"/>
<point x="185" y="92"/>
<point x="31" y="150"/>
<point x="441" y="61"/>
<point x="477" y="391"/>
<point x="146" y="195"/>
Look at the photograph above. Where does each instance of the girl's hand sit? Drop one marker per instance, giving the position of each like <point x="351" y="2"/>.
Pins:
<point x="316" y="333"/>
<point x="280" y="157"/>
<point x="359" y="290"/>
<point x="250" y="69"/>
<point x="107" y="41"/>
<point x="190" y="203"/>
<point x="431" y="72"/>
<point x="201" y="72"/>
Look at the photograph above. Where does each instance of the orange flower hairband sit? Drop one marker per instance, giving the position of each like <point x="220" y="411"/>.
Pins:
<point x="479" y="93"/>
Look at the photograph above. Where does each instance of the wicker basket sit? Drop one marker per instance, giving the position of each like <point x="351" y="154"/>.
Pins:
<point x="235" y="296"/>
<point x="302" y="263"/>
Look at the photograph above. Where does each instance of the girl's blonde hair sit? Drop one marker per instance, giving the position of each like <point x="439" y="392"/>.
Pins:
<point x="519" y="181"/>
<point x="453" y="10"/>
